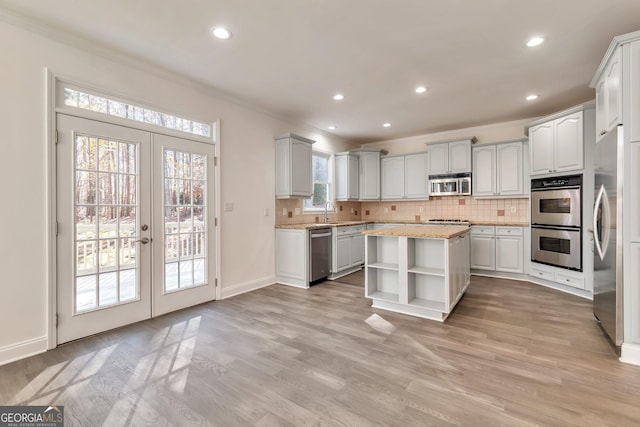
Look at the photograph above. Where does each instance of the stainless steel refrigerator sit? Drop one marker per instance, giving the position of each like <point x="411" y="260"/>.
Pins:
<point x="607" y="233"/>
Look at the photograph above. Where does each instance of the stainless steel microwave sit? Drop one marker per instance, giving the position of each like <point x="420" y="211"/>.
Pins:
<point x="450" y="185"/>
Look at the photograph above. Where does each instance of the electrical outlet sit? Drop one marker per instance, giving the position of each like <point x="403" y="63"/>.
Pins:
<point x="421" y="209"/>
<point x="514" y="209"/>
<point x="352" y="210"/>
<point x="386" y="210"/>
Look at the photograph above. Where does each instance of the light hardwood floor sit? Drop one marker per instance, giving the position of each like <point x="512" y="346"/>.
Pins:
<point x="512" y="354"/>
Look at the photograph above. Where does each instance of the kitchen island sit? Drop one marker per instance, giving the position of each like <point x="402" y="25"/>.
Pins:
<point x="420" y="271"/>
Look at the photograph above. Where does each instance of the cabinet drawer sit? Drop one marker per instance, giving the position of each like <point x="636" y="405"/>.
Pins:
<point x="487" y="230"/>
<point x="508" y="231"/>
<point x="576" y="282"/>
<point x="352" y="229"/>
<point x="546" y="275"/>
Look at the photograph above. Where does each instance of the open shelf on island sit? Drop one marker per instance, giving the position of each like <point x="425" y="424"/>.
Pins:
<point x="385" y="296"/>
<point x="382" y="284"/>
<point x="427" y="291"/>
<point x="427" y="270"/>
<point x="384" y="265"/>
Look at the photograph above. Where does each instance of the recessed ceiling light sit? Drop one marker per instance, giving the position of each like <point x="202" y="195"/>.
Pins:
<point x="535" y="41"/>
<point x="221" y="33"/>
<point x="331" y="127"/>
<point x="532" y="97"/>
<point x="338" y="97"/>
<point x="387" y="125"/>
<point x="421" y="89"/>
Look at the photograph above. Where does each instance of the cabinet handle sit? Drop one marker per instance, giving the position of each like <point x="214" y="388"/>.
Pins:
<point x="604" y="132"/>
<point x="550" y="171"/>
<point x="567" y="280"/>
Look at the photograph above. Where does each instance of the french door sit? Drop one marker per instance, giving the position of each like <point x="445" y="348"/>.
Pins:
<point x="134" y="235"/>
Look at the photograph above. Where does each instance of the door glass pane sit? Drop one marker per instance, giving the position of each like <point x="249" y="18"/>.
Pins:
<point x="105" y="191"/>
<point x="185" y="230"/>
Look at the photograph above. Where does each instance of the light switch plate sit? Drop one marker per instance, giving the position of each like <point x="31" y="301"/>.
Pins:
<point x="266" y="211"/>
<point x="514" y="209"/>
<point x="228" y="206"/>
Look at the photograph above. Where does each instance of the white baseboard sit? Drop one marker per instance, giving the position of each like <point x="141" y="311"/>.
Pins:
<point x="630" y="353"/>
<point x="21" y="350"/>
<point x="240" y="288"/>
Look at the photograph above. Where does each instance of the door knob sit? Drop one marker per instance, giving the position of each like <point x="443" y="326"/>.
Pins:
<point x="144" y="240"/>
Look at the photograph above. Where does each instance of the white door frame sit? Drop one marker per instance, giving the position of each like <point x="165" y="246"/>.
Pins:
<point x="51" y="83"/>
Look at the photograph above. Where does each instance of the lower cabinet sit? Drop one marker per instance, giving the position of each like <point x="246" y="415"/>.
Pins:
<point x="562" y="276"/>
<point x="292" y="259"/>
<point x="497" y="248"/>
<point x="347" y="250"/>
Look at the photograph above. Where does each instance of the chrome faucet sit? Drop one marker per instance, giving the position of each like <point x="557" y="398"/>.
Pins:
<point x="326" y="216"/>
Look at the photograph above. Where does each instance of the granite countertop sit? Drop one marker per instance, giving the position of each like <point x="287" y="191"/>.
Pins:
<point x="434" y="232"/>
<point x="314" y="225"/>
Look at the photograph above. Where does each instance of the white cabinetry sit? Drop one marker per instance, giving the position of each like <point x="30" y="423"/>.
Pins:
<point x="347" y="250"/>
<point x="423" y="277"/>
<point x="405" y="177"/>
<point x="293" y="167"/>
<point x="347" y="176"/>
<point x="499" y="170"/>
<point x="292" y="249"/>
<point x="557" y="145"/>
<point x="450" y="157"/>
<point x="499" y="248"/>
<point x="369" y="179"/>
<point x="573" y="279"/>
<point x="608" y="97"/>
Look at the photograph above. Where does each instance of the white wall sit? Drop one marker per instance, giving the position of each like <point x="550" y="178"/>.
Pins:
<point x="247" y="168"/>
<point x="486" y="134"/>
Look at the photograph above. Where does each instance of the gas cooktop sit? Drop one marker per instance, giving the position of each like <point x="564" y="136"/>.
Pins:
<point x="449" y="221"/>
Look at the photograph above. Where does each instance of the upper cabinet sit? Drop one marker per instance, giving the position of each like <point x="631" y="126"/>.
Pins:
<point x="293" y="167"/>
<point x="557" y="145"/>
<point x="450" y="157"/>
<point x="405" y="177"/>
<point x="369" y="179"/>
<point x="347" y="176"/>
<point x="608" y="97"/>
<point x="499" y="170"/>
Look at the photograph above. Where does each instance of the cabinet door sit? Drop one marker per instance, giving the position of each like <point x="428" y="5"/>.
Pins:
<point x="509" y="254"/>
<point x="301" y="184"/>
<point x="369" y="175"/>
<point x="357" y="250"/>
<point x="541" y="148"/>
<point x="510" y="174"/>
<point x="392" y="169"/>
<point x="568" y="147"/>
<point x="343" y="253"/>
<point x="342" y="177"/>
<point x="353" y="174"/>
<point x="438" y="159"/>
<point x="484" y="171"/>
<point x="460" y="156"/>
<point x="612" y="88"/>
<point x="601" y="108"/>
<point x="415" y="176"/>
<point x="634" y="90"/>
<point x="483" y="252"/>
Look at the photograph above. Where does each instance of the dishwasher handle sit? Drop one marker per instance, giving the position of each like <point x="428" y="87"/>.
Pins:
<point x="313" y="235"/>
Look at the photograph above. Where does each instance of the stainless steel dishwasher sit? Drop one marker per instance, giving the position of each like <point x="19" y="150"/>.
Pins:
<point x="319" y="253"/>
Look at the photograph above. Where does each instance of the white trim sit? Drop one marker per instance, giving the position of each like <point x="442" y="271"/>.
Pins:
<point x="11" y="353"/>
<point x="241" y="288"/>
<point x="562" y="288"/>
<point x="630" y="353"/>
<point x="217" y="212"/>
<point x="51" y="200"/>
<point x="521" y="277"/>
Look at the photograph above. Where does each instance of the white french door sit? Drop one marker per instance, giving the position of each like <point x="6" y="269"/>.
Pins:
<point x="134" y="239"/>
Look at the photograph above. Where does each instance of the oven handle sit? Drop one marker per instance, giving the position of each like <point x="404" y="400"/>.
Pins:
<point x="602" y="202"/>
<point x="555" y="188"/>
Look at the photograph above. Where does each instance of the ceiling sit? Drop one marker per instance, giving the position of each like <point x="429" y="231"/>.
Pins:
<point x="290" y="57"/>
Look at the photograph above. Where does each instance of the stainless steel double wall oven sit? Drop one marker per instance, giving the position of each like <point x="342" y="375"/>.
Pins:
<point x="556" y="221"/>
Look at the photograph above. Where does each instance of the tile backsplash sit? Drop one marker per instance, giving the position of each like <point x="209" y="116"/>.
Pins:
<point x="290" y="211"/>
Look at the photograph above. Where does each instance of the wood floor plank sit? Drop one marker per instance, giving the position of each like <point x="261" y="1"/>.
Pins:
<point x="511" y="354"/>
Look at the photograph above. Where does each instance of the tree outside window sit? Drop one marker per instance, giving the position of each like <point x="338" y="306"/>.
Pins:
<point x="321" y="175"/>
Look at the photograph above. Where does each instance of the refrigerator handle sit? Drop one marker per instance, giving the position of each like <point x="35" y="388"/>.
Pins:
<point x="601" y="203"/>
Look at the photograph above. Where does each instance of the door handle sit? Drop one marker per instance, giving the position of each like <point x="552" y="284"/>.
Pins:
<point x="144" y="240"/>
<point x="601" y="247"/>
